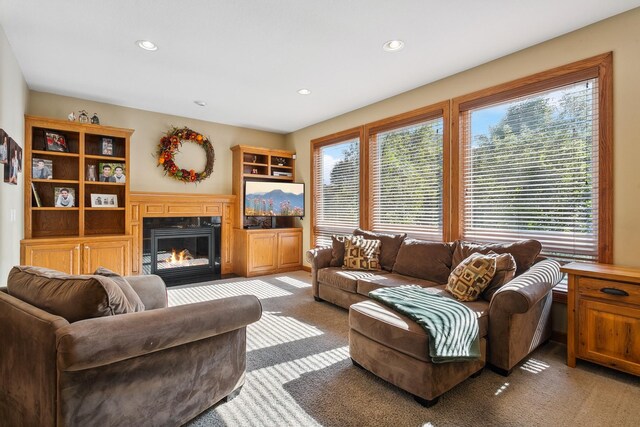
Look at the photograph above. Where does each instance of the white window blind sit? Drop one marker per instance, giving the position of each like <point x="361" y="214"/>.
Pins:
<point x="530" y="171"/>
<point x="336" y="190"/>
<point x="406" y="180"/>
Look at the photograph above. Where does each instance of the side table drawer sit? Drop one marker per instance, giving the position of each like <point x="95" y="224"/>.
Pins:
<point x="609" y="290"/>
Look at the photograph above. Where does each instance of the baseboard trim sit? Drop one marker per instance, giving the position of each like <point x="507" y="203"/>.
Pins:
<point x="306" y="268"/>
<point x="560" y="337"/>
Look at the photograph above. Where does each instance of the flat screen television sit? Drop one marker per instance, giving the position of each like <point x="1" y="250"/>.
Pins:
<point x="273" y="199"/>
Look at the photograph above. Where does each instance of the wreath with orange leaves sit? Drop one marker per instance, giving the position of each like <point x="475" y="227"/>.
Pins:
<point x="170" y="145"/>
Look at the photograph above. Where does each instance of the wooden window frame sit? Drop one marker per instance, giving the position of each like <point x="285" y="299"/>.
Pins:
<point x="433" y="111"/>
<point x="600" y="66"/>
<point x="336" y="138"/>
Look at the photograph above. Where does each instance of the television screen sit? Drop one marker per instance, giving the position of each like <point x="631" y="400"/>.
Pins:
<point x="273" y="198"/>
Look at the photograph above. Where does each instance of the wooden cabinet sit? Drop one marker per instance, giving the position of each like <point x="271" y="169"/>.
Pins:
<point x="267" y="251"/>
<point x="79" y="256"/>
<point x="603" y="319"/>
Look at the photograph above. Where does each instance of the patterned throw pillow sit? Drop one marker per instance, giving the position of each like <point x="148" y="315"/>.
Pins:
<point x="361" y="254"/>
<point x="471" y="277"/>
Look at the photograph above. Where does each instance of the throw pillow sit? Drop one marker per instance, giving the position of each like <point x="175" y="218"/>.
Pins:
<point x="125" y="287"/>
<point x="424" y="260"/>
<point x="72" y="297"/>
<point x="337" y="249"/>
<point x="524" y="252"/>
<point x="361" y="254"/>
<point x="505" y="271"/>
<point x="471" y="277"/>
<point x="389" y="245"/>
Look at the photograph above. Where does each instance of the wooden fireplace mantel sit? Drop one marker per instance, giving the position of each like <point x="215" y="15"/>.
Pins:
<point x="148" y="205"/>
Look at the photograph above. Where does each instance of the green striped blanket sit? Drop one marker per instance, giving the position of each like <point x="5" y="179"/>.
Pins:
<point x="452" y="327"/>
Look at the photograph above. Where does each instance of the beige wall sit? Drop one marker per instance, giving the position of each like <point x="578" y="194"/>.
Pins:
<point x="149" y="128"/>
<point x="620" y="34"/>
<point x="13" y="104"/>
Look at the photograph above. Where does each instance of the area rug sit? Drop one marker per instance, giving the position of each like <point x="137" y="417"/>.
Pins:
<point x="299" y="374"/>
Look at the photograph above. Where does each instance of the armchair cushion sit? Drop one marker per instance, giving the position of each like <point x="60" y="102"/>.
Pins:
<point x="125" y="287"/>
<point x="72" y="297"/>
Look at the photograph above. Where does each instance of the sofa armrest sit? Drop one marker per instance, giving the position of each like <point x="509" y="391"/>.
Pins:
<point x="523" y="292"/>
<point x="319" y="258"/>
<point x="100" y="341"/>
<point x="151" y="290"/>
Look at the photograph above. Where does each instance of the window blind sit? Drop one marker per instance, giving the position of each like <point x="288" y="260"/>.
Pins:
<point x="530" y="171"/>
<point x="406" y="180"/>
<point x="336" y="190"/>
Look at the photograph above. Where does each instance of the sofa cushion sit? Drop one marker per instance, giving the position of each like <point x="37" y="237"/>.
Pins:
<point x="346" y="280"/>
<point x="362" y="254"/>
<point x="390" y="244"/>
<point x="424" y="260"/>
<point x="524" y="252"/>
<point x="368" y="284"/>
<point x="125" y="287"/>
<point x="471" y="277"/>
<point x="505" y="271"/>
<point x="337" y="249"/>
<point x="394" y="330"/>
<point x="72" y="297"/>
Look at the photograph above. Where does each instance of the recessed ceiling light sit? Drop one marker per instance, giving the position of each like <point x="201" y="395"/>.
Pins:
<point x="304" y="92"/>
<point x="200" y="103"/>
<point x="393" y="45"/>
<point x="147" y="45"/>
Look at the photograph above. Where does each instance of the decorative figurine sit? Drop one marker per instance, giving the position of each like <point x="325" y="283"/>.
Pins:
<point x="72" y="117"/>
<point x="83" y="117"/>
<point x="94" y="119"/>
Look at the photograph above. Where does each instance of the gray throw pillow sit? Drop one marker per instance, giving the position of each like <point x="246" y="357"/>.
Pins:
<point x="132" y="296"/>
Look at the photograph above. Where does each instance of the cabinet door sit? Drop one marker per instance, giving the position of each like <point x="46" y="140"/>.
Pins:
<point x="262" y="255"/>
<point x="113" y="254"/>
<point x="289" y="249"/>
<point x="63" y="257"/>
<point x="609" y="334"/>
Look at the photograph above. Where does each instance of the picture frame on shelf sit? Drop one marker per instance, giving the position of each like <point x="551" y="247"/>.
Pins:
<point x="41" y="168"/>
<point x="112" y="172"/>
<point x="55" y="142"/>
<point x="104" y="200"/>
<point x="64" y="197"/>
<point x="106" y="146"/>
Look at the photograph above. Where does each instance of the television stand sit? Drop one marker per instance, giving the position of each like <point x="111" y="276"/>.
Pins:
<point x="266" y="250"/>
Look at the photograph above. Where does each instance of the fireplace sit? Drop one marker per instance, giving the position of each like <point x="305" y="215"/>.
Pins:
<point x="182" y="250"/>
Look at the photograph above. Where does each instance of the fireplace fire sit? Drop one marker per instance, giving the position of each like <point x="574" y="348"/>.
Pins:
<point x="179" y="259"/>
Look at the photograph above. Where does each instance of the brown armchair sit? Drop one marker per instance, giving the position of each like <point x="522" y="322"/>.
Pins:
<point x="161" y="366"/>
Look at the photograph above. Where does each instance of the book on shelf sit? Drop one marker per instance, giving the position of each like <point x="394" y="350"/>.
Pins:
<point x="36" y="196"/>
<point x="279" y="173"/>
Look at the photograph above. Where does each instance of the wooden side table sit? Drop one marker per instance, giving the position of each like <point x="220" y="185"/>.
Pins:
<point x="603" y="315"/>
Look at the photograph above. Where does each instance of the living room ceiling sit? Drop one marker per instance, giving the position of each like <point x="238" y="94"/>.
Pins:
<point x="248" y="59"/>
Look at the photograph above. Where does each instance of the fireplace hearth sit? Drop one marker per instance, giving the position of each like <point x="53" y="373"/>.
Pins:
<point x="182" y="250"/>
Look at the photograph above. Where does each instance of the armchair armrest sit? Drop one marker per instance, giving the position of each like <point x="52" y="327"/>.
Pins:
<point x="151" y="290"/>
<point x="319" y="258"/>
<point x="104" y="340"/>
<point x="523" y="292"/>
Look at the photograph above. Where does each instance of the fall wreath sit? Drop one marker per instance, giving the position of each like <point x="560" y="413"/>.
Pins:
<point x="170" y="144"/>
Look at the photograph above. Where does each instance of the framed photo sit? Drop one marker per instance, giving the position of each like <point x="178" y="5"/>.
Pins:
<point x="12" y="167"/>
<point x="41" y="169"/>
<point x="4" y="146"/>
<point x="104" y="201"/>
<point x="55" y="142"/>
<point x="106" y="147"/>
<point x="64" y="197"/>
<point x="112" y="172"/>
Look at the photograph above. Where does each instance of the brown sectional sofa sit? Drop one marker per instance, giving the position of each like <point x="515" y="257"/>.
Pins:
<point x="160" y="366"/>
<point x="513" y="321"/>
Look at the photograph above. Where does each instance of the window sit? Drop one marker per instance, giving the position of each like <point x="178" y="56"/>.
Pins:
<point x="535" y="163"/>
<point x="406" y="157"/>
<point x="336" y="186"/>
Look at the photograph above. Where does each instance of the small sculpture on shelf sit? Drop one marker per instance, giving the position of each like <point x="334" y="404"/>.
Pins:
<point x="95" y="120"/>
<point x="83" y="117"/>
<point x="72" y="117"/>
<point x="91" y="173"/>
<point x="280" y="161"/>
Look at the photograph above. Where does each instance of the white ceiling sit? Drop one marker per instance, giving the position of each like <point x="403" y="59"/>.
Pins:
<point x="247" y="59"/>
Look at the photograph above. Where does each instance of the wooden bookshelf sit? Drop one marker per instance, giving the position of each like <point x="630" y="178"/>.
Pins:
<point x="101" y="231"/>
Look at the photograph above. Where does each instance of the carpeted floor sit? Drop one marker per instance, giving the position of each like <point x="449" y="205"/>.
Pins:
<point x="299" y="374"/>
